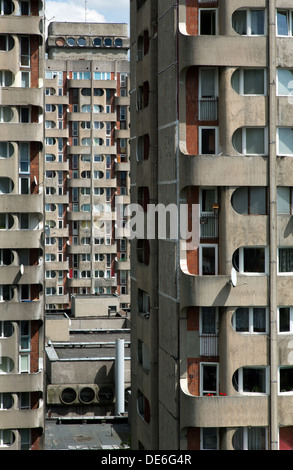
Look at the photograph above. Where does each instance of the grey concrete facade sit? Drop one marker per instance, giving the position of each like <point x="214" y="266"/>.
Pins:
<point x="21" y="240"/>
<point x="217" y="136"/>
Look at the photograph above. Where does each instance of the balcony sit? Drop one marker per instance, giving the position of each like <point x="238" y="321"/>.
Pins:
<point x="222" y="411"/>
<point x="209" y="225"/>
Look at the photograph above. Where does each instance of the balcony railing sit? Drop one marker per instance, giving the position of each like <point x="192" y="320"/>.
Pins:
<point x="209" y="225"/>
<point x="208" y="345"/>
<point x="208" y="109"/>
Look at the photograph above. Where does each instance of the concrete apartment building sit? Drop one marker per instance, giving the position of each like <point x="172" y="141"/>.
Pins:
<point x="21" y="214"/>
<point x="211" y="129"/>
<point x="86" y="165"/>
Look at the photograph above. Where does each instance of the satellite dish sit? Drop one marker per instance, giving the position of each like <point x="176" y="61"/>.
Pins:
<point x="21" y="269"/>
<point x="233" y="279"/>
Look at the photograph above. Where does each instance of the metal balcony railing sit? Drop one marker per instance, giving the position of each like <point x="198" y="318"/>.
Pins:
<point x="208" y="345"/>
<point x="209" y="225"/>
<point x="208" y="109"/>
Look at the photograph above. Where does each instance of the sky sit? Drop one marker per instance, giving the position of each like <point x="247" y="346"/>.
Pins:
<point x="91" y="11"/>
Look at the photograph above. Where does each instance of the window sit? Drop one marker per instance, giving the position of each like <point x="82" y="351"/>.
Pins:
<point x="250" y="140"/>
<point x="207" y="21"/>
<point x="284" y="23"/>
<point x="5" y="78"/>
<point x="24" y="185"/>
<point x="250" y="380"/>
<point x="208" y="379"/>
<point x="284" y="82"/>
<point x="6" y="149"/>
<point x="208" y="260"/>
<point x="251" y="438"/>
<point x="24" y="158"/>
<point x="249" y="22"/>
<point x="250" y="200"/>
<point x="143" y="303"/>
<point x="208" y="140"/>
<point x="81" y="75"/>
<point x="6" y="7"/>
<point x="285" y="260"/>
<point x="285" y="141"/>
<point x="208" y="439"/>
<point x="208" y="93"/>
<point x="286" y="379"/>
<point x="250" y="320"/>
<point x="208" y="215"/>
<point x="24" y="347"/>
<point x="25" y="51"/>
<point x="284" y="200"/>
<point x="25" y="79"/>
<point x="251" y="260"/>
<point x="285" y="319"/>
<point x="208" y="331"/>
<point x="249" y="81"/>
<point x="5" y="114"/>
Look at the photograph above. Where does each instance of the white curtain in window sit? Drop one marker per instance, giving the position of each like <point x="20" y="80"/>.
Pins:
<point x="239" y="22"/>
<point x="285" y="260"/>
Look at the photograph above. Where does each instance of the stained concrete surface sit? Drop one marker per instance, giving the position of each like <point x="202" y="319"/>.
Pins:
<point x="85" y="436"/>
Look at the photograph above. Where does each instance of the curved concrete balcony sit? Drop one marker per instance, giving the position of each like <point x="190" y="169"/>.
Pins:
<point x="103" y="183"/>
<point x="56" y="99"/>
<point x="222" y="51"/>
<point x="218" y="291"/>
<point x="23" y="25"/>
<point x="22" y="382"/>
<point x="57" y="266"/>
<point x="222" y="411"/>
<point x="78" y="149"/>
<point x="122" y="166"/>
<point x="78" y="215"/>
<point x="17" y="96"/>
<point x="21" y="238"/>
<point x="11" y="419"/>
<point x="122" y="100"/>
<point x="122" y="133"/>
<point x="22" y="132"/>
<point x="14" y="311"/>
<point x="58" y="166"/>
<point x="105" y="84"/>
<point x="62" y="133"/>
<point x="79" y="183"/>
<point x="22" y="203"/>
<point x="57" y="299"/>
<point x="78" y="249"/>
<point x="208" y="170"/>
<point x="12" y="275"/>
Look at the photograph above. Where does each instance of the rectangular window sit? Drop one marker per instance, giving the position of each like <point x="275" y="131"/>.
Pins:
<point x="286" y="379"/>
<point x="25" y="51"/>
<point x="284" y="200"/>
<point x="208" y="379"/>
<point x="284" y="23"/>
<point x="208" y="140"/>
<point x="208" y="260"/>
<point x="208" y="94"/>
<point x="250" y="320"/>
<point x="207" y="21"/>
<point x="209" y="439"/>
<point x="25" y="79"/>
<point x="285" y="260"/>
<point x="285" y="141"/>
<point x="285" y="319"/>
<point x="284" y="82"/>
